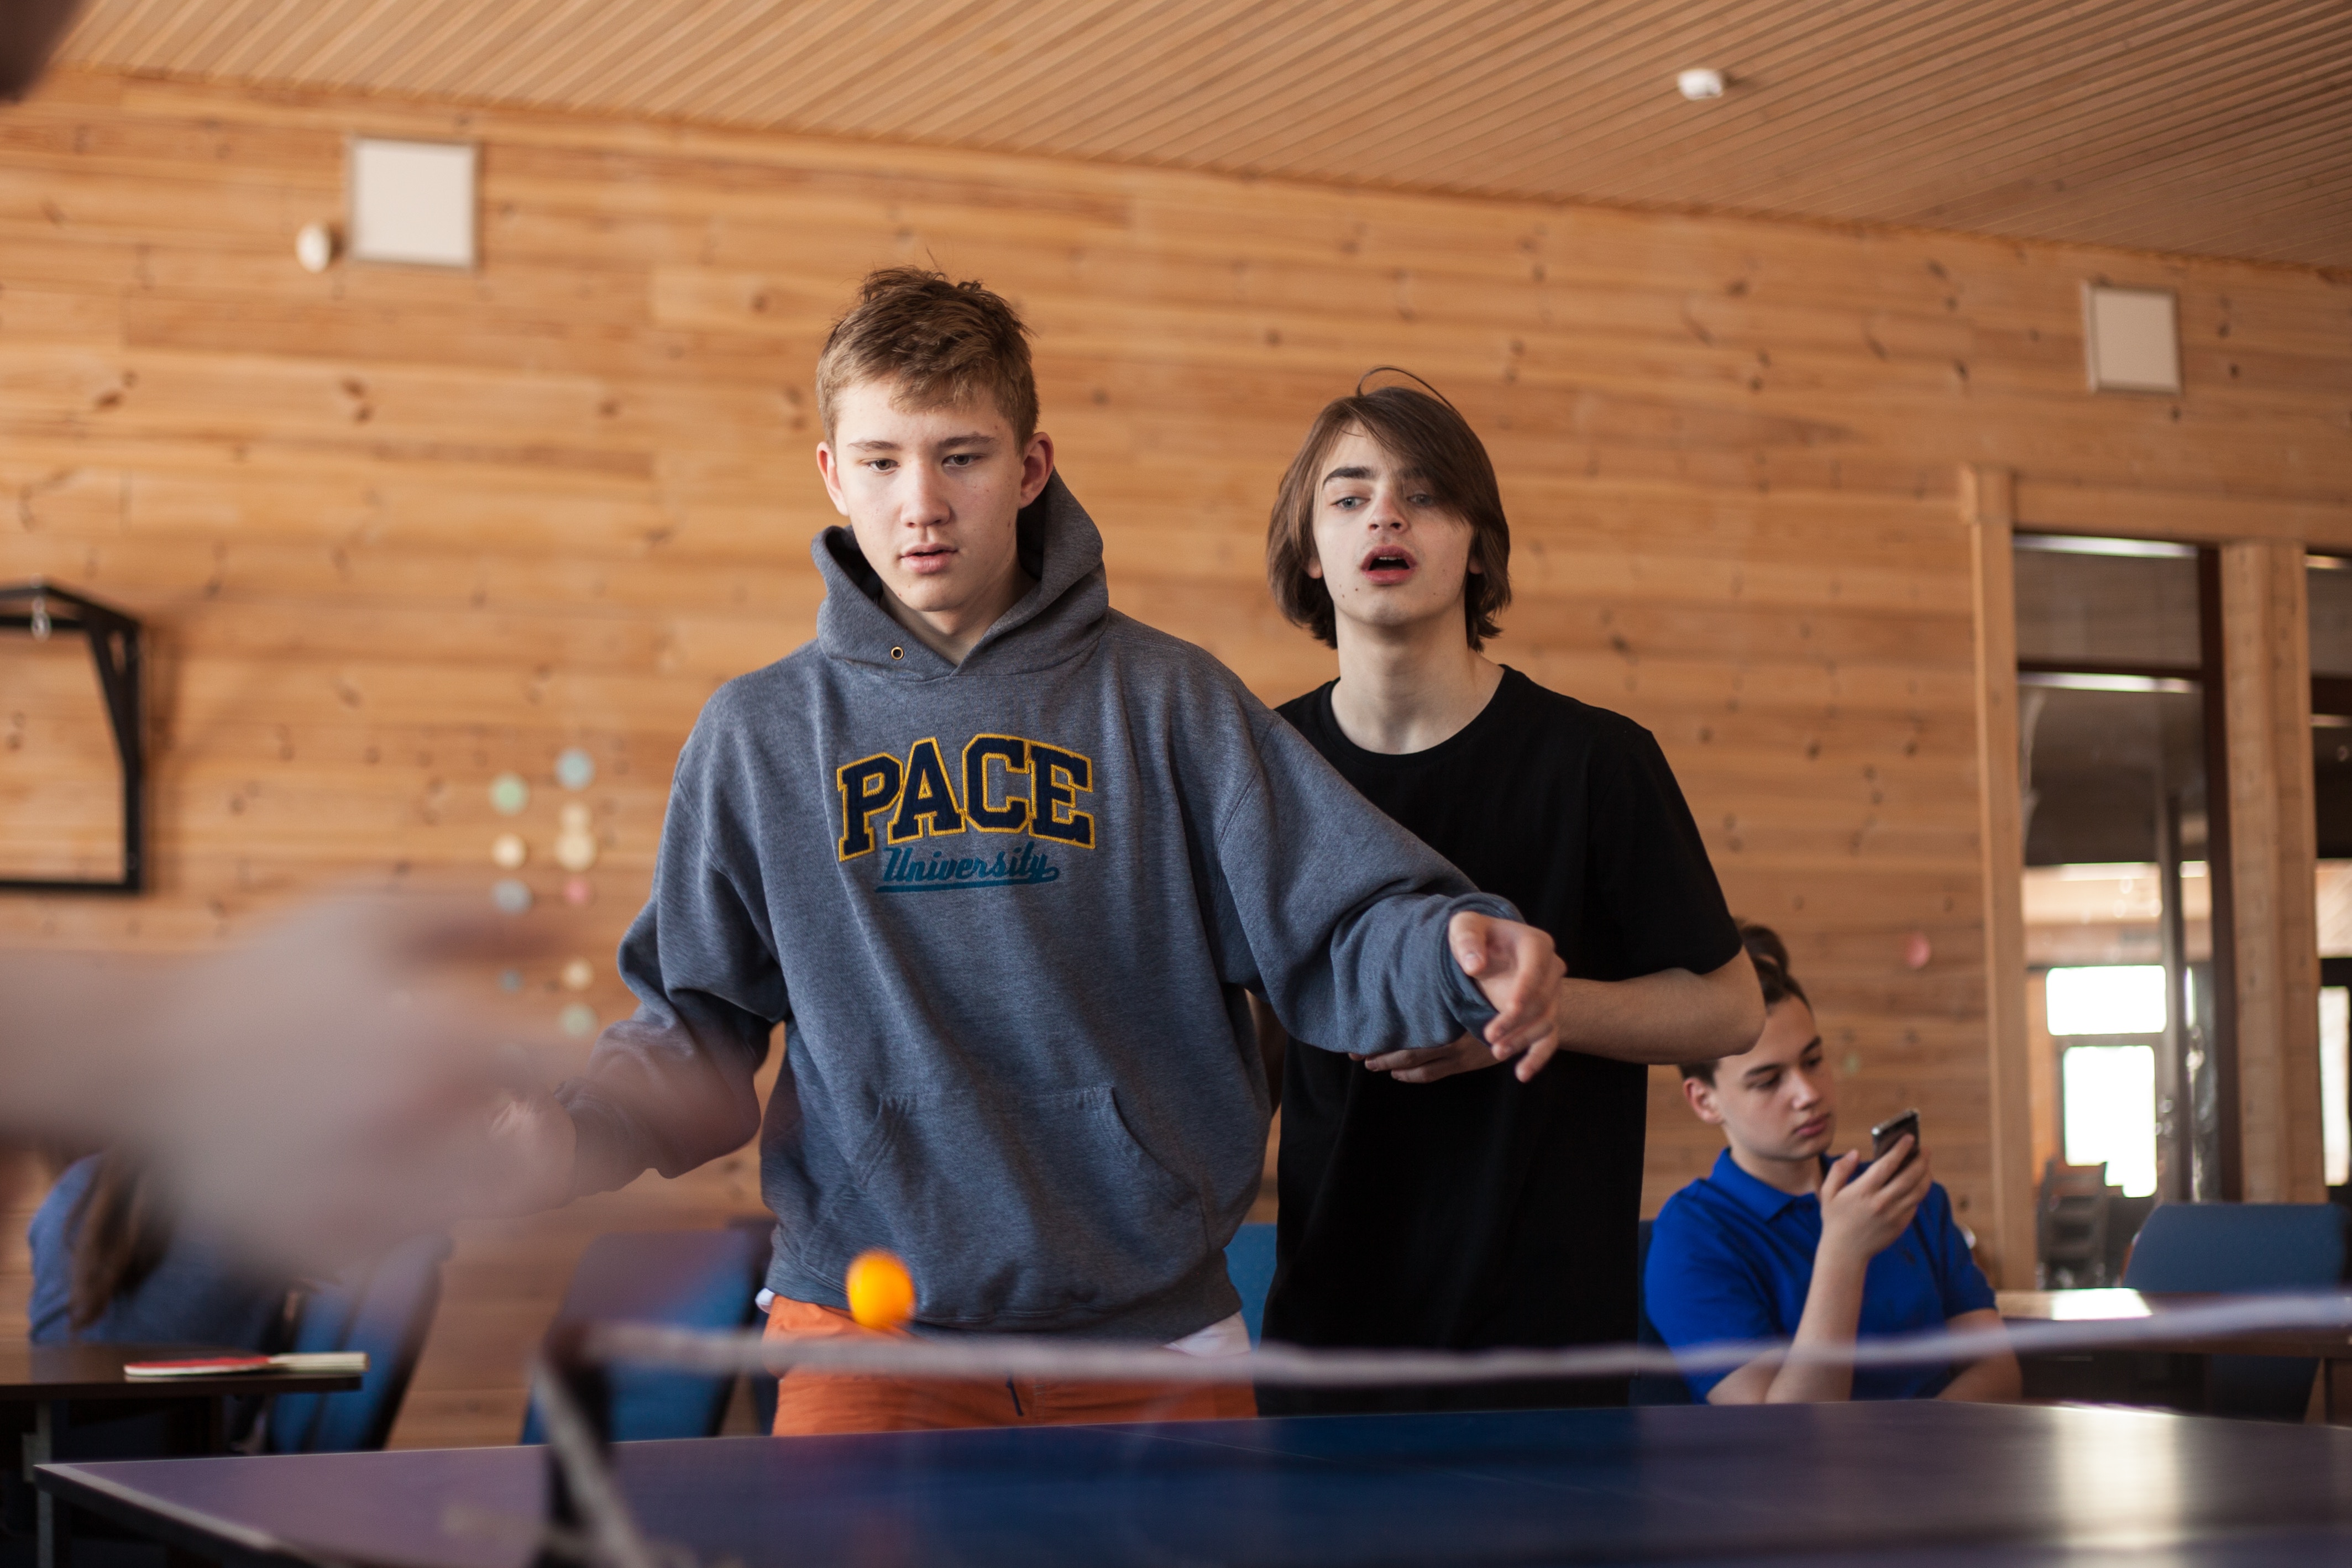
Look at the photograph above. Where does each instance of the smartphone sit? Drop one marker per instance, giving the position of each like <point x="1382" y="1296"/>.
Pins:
<point x="1883" y="1136"/>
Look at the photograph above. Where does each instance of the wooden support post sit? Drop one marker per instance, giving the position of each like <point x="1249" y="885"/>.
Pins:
<point x="2266" y="669"/>
<point x="1988" y="506"/>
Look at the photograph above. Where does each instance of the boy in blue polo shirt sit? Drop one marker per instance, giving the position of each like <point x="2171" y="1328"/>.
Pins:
<point x="1781" y="1242"/>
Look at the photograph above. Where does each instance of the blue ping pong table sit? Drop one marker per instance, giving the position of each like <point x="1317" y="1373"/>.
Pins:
<point x="1916" y="1485"/>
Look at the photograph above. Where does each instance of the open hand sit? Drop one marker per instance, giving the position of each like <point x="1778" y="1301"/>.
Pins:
<point x="1518" y="971"/>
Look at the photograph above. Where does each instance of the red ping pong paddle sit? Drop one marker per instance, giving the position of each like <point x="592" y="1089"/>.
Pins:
<point x="196" y="1366"/>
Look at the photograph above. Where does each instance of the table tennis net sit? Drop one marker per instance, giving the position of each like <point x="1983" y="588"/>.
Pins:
<point x="589" y="1521"/>
<point x="993" y="1356"/>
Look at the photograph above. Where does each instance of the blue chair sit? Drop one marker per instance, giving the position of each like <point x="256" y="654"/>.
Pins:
<point x="678" y="1278"/>
<point x="384" y="1308"/>
<point x="1652" y="1387"/>
<point x="1249" y="1262"/>
<point x="2237" y="1248"/>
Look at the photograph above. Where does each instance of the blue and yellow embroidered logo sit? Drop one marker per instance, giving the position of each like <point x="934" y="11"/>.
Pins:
<point x="907" y="871"/>
<point x="1005" y="784"/>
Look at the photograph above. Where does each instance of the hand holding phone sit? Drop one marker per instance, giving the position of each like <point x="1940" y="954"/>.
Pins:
<point x="1884" y="1136"/>
<point x="1866" y="1207"/>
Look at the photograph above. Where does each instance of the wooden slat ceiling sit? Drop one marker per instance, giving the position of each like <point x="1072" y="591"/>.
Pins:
<point x="2219" y="127"/>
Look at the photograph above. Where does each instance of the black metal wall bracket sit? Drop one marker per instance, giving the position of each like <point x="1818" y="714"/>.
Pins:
<point x="44" y="610"/>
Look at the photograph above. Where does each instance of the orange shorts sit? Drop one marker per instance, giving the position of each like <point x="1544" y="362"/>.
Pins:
<point x="809" y="1403"/>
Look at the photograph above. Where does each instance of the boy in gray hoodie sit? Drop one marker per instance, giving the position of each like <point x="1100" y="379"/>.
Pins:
<point x="1005" y="865"/>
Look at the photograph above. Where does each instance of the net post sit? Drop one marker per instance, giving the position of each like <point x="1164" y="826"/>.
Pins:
<point x="575" y="1400"/>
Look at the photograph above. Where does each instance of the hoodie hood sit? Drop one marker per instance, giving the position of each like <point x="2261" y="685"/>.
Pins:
<point x="1062" y="618"/>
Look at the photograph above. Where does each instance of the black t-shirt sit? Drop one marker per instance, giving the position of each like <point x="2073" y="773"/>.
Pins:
<point x="1478" y="1210"/>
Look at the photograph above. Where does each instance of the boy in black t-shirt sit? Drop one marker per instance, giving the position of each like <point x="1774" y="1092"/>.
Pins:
<point x="1429" y="1199"/>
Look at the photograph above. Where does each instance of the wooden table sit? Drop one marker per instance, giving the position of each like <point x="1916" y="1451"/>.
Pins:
<point x="2332" y="1348"/>
<point x="53" y="1379"/>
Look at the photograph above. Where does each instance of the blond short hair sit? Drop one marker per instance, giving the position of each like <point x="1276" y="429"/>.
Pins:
<point x="939" y="343"/>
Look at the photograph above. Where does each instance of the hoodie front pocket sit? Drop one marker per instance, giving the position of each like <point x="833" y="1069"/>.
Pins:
<point x="1041" y="1207"/>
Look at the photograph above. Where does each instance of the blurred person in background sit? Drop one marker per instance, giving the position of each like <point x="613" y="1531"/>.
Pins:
<point x="112" y="1264"/>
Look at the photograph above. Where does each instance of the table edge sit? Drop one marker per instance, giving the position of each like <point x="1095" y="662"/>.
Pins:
<point x="128" y="1389"/>
<point x="196" y="1527"/>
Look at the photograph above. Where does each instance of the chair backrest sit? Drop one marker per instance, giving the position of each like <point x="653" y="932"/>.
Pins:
<point x="678" y="1278"/>
<point x="2124" y="1217"/>
<point x="1652" y="1387"/>
<point x="1249" y="1261"/>
<point x="2238" y="1247"/>
<point x="385" y="1308"/>
<point x="2060" y="1180"/>
<point x="2249" y="1246"/>
<point x="2073" y="1221"/>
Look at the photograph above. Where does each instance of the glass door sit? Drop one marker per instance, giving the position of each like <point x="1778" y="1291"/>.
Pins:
<point x="2330" y="582"/>
<point x="2116" y="748"/>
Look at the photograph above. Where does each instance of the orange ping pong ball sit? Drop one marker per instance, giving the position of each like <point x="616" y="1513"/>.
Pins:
<point x="881" y="1293"/>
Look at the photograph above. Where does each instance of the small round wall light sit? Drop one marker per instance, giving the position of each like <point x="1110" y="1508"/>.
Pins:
<point x="509" y="794"/>
<point x="575" y="851"/>
<point x="315" y="247"/>
<point x="1701" y="83"/>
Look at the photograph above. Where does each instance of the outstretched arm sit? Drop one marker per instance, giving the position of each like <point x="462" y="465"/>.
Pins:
<point x="321" y="1090"/>
<point x="1347" y="923"/>
<point x="71" y="1022"/>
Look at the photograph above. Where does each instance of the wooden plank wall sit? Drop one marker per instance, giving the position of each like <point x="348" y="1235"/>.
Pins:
<point x="396" y="530"/>
<point x="2266" y="663"/>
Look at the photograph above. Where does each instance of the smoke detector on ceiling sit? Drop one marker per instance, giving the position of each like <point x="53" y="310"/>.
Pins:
<point x="1700" y="84"/>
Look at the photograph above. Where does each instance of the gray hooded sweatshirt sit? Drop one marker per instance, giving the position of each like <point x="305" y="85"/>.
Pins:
<point x="1007" y="911"/>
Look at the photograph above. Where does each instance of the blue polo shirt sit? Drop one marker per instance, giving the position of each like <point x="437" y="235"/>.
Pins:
<point x="1731" y="1258"/>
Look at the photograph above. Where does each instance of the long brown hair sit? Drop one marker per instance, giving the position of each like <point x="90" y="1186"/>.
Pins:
<point x="120" y="1232"/>
<point x="1422" y="432"/>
